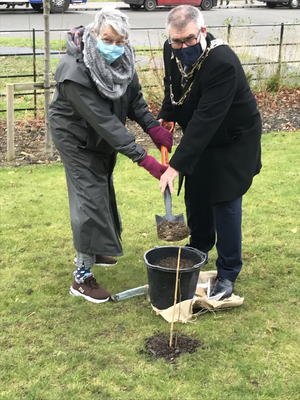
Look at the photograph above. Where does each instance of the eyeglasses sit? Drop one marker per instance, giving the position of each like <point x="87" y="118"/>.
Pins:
<point x="119" y="42"/>
<point x="177" y="44"/>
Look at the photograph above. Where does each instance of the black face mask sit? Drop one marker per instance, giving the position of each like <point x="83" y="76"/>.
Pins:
<point x="188" y="55"/>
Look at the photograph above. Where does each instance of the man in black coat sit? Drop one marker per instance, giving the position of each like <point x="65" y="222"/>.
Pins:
<point x="207" y="94"/>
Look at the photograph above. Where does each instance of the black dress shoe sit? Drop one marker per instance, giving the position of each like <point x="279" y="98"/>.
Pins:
<point x="222" y="285"/>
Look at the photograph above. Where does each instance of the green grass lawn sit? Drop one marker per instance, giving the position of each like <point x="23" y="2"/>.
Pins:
<point x="55" y="346"/>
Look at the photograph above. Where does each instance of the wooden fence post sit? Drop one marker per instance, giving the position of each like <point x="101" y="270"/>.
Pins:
<point x="228" y="33"/>
<point x="10" y="124"/>
<point x="10" y="90"/>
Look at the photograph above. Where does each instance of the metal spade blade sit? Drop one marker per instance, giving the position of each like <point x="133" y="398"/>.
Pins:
<point x="178" y="229"/>
<point x="169" y="216"/>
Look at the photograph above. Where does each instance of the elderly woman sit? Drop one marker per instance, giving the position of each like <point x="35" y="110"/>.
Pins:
<point x="97" y="88"/>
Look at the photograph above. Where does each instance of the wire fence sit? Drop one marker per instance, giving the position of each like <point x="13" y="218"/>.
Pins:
<point x="280" y="55"/>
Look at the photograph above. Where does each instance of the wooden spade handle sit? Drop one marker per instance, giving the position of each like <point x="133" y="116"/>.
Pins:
<point x="168" y="125"/>
<point x="164" y="152"/>
<point x="164" y="156"/>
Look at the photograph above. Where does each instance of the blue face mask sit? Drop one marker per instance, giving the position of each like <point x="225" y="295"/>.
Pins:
<point x="188" y="55"/>
<point x="110" y="51"/>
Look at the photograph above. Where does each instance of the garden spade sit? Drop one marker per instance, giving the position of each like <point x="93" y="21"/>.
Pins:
<point x="167" y="194"/>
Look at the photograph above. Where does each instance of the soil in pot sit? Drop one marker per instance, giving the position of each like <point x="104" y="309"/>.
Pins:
<point x="171" y="263"/>
<point x="172" y="231"/>
<point x="157" y="346"/>
<point x="162" y="280"/>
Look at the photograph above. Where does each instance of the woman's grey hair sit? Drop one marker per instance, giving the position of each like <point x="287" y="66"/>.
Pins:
<point x="114" y="18"/>
<point x="180" y="16"/>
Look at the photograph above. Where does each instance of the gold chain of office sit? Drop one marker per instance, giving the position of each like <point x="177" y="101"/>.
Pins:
<point x="213" y="44"/>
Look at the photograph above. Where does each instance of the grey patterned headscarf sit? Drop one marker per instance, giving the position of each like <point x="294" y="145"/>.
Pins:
<point x="111" y="79"/>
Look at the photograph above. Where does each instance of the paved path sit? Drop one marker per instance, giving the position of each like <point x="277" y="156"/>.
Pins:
<point x="90" y="6"/>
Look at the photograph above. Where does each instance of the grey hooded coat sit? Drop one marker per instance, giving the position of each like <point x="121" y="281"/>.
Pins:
<point x="89" y="130"/>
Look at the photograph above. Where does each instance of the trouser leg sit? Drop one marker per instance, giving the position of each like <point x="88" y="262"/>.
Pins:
<point x="84" y="262"/>
<point x="229" y="238"/>
<point x="200" y="218"/>
<point x="83" y="259"/>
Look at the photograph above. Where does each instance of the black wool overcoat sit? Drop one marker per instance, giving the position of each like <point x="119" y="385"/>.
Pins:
<point x="220" y="148"/>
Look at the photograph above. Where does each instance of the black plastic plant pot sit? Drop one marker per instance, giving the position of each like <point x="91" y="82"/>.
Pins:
<point x="162" y="280"/>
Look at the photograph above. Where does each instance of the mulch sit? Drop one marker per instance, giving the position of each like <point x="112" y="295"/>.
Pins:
<point x="280" y="112"/>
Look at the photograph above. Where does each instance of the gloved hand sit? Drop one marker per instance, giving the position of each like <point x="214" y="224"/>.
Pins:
<point x="152" y="166"/>
<point x="161" y="137"/>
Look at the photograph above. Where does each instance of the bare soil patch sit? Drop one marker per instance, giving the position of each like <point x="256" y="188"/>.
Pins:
<point x="279" y="113"/>
<point x="157" y="346"/>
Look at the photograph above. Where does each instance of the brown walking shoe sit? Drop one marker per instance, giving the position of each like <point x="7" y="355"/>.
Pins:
<point x="90" y="290"/>
<point x="105" y="261"/>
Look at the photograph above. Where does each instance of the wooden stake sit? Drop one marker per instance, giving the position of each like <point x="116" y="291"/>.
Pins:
<point x="175" y="297"/>
<point x="10" y="122"/>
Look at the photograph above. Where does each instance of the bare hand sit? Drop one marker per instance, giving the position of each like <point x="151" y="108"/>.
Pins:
<point x="167" y="179"/>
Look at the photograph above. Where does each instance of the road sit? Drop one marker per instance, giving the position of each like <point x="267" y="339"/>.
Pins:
<point x="237" y="13"/>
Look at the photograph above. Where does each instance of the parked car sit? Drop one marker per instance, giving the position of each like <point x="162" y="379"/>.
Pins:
<point x="56" y="6"/>
<point x="288" y="3"/>
<point x="150" y="5"/>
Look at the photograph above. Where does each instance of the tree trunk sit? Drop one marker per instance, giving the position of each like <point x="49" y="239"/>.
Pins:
<point x="46" y="11"/>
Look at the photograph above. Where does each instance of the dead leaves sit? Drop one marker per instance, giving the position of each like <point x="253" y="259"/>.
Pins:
<point x="285" y="98"/>
<point x="280" y="112"/>
<point x="272" y="329"/>
<point x="249" y="255"/>
<point x="253" y="382"/>
<point x="27" y="154"/>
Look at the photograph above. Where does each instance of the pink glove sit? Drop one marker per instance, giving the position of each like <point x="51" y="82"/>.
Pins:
<point x="152" y="166"/>
<point x="161" y="137"/>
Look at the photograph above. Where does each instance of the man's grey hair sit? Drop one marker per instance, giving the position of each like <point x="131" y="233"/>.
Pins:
<point x="114" y="18"/>
<point x="180" y="16"/>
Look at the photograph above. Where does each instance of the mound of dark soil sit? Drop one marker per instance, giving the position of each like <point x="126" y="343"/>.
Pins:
<point x="157" y="346"/>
